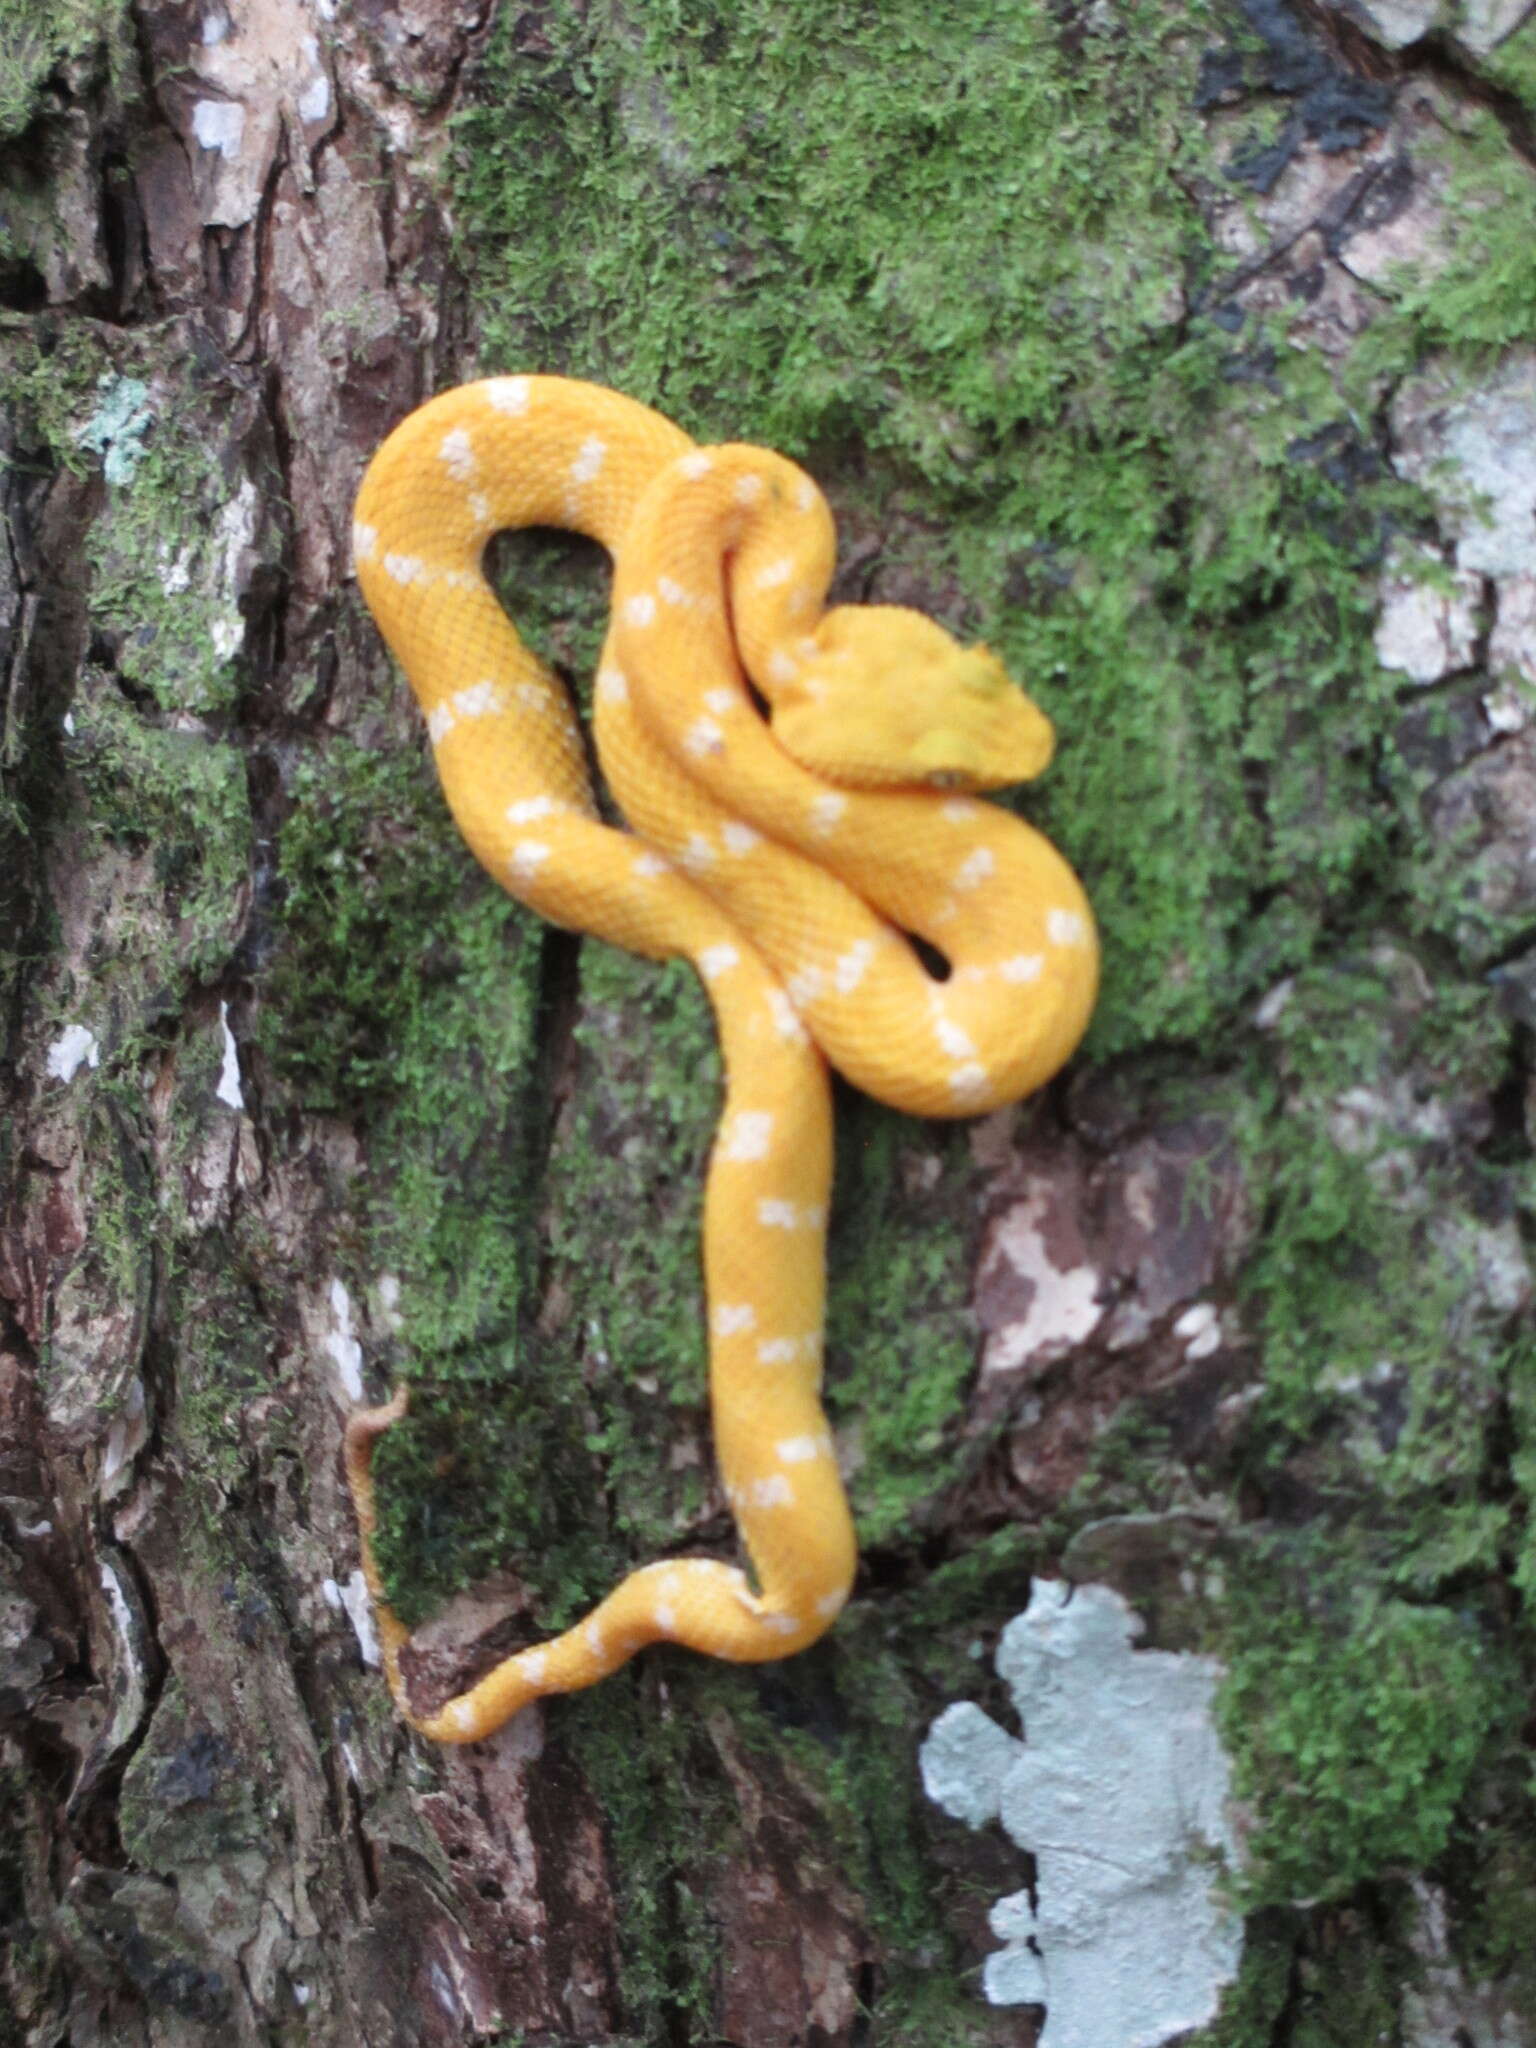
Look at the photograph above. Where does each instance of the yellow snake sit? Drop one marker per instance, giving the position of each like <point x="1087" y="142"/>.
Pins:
<point x="788" y="856"/>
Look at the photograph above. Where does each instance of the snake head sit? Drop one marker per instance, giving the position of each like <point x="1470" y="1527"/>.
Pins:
<point x="882" y="698"/>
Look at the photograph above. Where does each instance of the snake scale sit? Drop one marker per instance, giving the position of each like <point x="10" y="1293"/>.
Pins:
<point x="800" y="789"/>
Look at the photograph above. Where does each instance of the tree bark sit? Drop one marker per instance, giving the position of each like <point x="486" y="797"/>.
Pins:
<point x="1185" y="359"/>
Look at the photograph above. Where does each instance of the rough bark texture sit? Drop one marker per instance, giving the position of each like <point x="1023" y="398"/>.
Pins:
<point x="1182" y="354"/>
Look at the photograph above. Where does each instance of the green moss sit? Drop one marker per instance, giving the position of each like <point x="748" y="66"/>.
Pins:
<point x="1251" y="2005"/>
<point x="406" y="991"/>
<point x="1522" y="1402"/>
<point x="1363" y="1258"/>
<point x="1493" y="1881"/>
<point x="668" y="1814"/>
<point x="34" y="1967"/>
<point x="1164" y="530"/>
<point x="1482" y="299"/>
<point x="901" y="1346"/>
<point x="48" y="379"/>
<point x="375" y="881"/>
<point x="626" y="1186"/>
<point x="166" y="550"/>
<point x="1348" y="1989"/>
<point x="1356" y="1723"/>
<point x="1369" y="1683"/>
<point x="224" y="1368"/>
<point x="1513" y="65"/>
<point x="773" y="241"/>
<point x="36" y="37"/>
<point x="171" y="805"/>
<point x="849" y="1715"/>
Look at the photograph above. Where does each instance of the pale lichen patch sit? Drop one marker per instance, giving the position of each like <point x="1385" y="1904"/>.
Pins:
<point x="1120" y="1792"/>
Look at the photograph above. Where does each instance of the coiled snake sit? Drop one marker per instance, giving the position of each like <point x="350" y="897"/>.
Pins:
<point x="788" y="857"/>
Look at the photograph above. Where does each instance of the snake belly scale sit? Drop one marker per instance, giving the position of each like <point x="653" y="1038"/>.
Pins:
<point x="788" y="857"/>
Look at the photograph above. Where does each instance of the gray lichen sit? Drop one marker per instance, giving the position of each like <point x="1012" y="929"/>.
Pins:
<point x="1119" y="1791"/>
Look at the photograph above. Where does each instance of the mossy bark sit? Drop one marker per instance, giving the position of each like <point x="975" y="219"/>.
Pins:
<point x="1141" y="339"/>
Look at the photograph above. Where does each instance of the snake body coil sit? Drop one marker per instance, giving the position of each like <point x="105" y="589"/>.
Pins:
<point x="788" y="858"/>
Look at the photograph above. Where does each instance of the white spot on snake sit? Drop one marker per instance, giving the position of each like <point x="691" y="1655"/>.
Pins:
<point x="478" y="701"/>
<point x="748" y="490"/>
<point x="783" y="1624"/>
<point x="732" y="1318"/>
<point x="672" y="593"/>
<point x="612" y="685"/>
<point x="975" y="868"/>
<point x="703" y="737"/>
<point x="537" y="696"/>
<point x="439" y="723"/>
<point x="833" y="1603"/>
<point x="788" y="1350"/>
<point x="959" y="810"/>
<point x="952" y="1039"/>
<point x="774" y="1492"/>
<point x="805" y="986"/>
<point x="364" y="540"/>
<point x="698" y="853"/>
<point x="800" y="1450"/>
<point x="775" y="574"/>
<point x="786" y="1020"/>
<point x="827" y="809"/>
<point x="508" y="394"/>
<point x="782" y="667"/>
<point x="746" y="1136"/>
<point x="806" y="496"/>
<point x="533" y="1665"/>
<point x="739" y="838"/>
<point x="480" y="508"/>
<point x="589" y="460"/>
<point x="1022" y="967"/>
<point x="717" y="960"/>
<point x="721" y="702"/>
<point x="528" y="856"/>
<point x="696" y="464"/>
<point x="594" y="1636"/>
<point x="461" y="1714"/>
<point x="458" y="453"/>
<point x="640" y="609"/>
<point x="665" y="1616"/>
<point x="532" y="809"/>
<point x="965" y="1083"/>
<point x="405" y="568"/>
<point x="650" y="865"/>
<point x="850" y="969"/>
<point x="1065" y="928"/>
<point x="779" y="1215"/>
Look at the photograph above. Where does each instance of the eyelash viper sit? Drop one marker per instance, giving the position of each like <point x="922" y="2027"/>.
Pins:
<point x="787" y="857"/>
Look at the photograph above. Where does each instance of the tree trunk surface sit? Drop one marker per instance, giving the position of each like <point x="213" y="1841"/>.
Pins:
<point x="1186" y="355"/>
